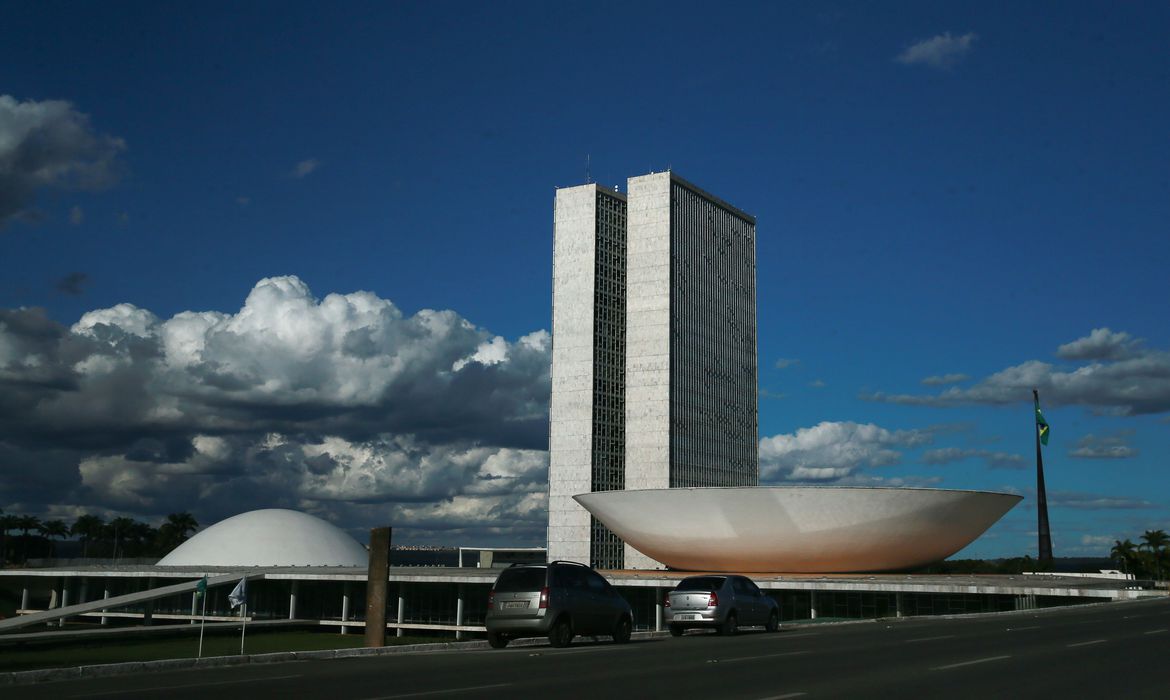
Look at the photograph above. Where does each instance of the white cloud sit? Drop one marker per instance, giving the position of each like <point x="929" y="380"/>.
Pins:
<point x="50" y="145"/>
<point x="943" y="379"/>
<point x="941" y="51"/>
<point x="833" y="450"/>
<point x="343" y="406"/>
<point x="1103" y="447"/>
<point x="305" y="167"/>
<point x="1100" y="344"/>
<point x="1138" y="382"/>
<point x="784" y="363"/>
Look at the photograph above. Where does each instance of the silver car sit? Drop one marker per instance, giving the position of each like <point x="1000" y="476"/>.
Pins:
<point x="722" y="602"/>
<point x="559" y="600"/>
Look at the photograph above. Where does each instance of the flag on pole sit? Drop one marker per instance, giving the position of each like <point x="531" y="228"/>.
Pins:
<point x="1041" y="424"/>
<point x="201" y="587"/>
<point x="239" y="594"/>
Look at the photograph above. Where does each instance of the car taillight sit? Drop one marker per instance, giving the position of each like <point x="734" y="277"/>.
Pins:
<point x="666" y="603"/>
<point x="544" y="597"/>
<point x="713" y="601"/>
<point x="491" y="600"/>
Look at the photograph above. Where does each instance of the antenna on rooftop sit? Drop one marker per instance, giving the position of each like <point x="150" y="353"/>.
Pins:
<point x="588" y="174"/>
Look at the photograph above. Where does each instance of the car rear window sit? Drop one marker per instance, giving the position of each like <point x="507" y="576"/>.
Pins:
<point x="700" y="583"/>
<point x="520" y="579"/>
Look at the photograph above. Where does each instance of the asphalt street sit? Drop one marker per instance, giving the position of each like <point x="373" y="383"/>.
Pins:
<point x="1108" y="650"/>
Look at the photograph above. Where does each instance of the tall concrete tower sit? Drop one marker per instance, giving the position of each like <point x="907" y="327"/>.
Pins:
<point x="691" y="413"/>
<point x="654" y="352"/>
<point x="587" y="410"/>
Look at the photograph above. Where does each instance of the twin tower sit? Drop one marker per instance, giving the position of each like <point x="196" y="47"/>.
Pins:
<point x="654" y="352"/>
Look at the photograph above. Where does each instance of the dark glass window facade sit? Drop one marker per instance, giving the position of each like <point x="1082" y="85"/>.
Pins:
<point x="713" y="343"/>
<point x="609" y="371"/>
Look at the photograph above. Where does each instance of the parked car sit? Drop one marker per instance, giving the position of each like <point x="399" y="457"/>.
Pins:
<point x="559" y="600"/>
<point x="722" y="602"/>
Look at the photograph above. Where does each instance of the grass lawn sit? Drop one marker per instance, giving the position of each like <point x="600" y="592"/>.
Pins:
<point x="108" y="651"/>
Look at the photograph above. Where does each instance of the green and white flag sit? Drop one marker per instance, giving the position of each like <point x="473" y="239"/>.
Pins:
<point x="201" y="587"/>
<point x="1041" y="424"/>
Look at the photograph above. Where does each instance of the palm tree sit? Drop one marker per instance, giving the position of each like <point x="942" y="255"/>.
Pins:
<point x="88" y="528"/>
<point x="52" y="529"/>
<point x="7" y="522"/>
<point x="1155" y="543"/>
<point x="24" y="523"/>
<point x="175" y="531"/>
<point x="1125" y="552"/>
<point x="119" y="528"/>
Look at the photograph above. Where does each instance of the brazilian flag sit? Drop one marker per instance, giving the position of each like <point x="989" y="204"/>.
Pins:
<point x="1041" y="424"/>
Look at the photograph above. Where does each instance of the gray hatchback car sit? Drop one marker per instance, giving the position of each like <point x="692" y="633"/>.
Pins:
<point x="721" y="602"/>
<point x="559" y="600"/>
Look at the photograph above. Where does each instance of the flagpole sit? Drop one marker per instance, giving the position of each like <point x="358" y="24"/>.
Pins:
<point x="202" y="621"/>
<point x="243" y="627"/>
<point x="1045" y="537"/>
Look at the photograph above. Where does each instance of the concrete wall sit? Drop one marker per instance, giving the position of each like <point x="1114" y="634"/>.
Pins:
<point x="571" y="406"/>
<point x="647" y="340"/>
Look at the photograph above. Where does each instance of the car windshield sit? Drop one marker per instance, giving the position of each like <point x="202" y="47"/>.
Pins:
<point x="700" y="583"/>
<point x="520" y="579"/>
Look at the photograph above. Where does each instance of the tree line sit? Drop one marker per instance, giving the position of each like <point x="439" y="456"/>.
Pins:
<point x="1149" y="559"/>
<point x="116" y="539"/>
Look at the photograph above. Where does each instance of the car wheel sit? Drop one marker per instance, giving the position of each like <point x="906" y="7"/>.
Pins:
<point x="561" y="634"/>
<point x="730" y="626"/>
<point x="621" y="633"/>
<point x="676" y="630"/>
<point x="773" y="622"/>
<point x="497" y="640"/>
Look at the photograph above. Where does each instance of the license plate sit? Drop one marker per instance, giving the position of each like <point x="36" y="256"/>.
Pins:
<point x="687" y="617"/>
<point x="516" y="604"/>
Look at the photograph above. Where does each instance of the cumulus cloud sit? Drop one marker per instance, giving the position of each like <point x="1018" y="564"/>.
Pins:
<point x="1103" y="447"/>
<point x="941" y="51"/>
<point x="1136" y="381"/>
<point x="341" y="406"/>
<point x="996" y="460"/>
<point x="784" y="363"/>
<point x="944" y="379"/>
<point x="305" y="167"/>
<point x="831" y="451"/>
<point x="50" y="145"/>
<point x="1100" y="344"/>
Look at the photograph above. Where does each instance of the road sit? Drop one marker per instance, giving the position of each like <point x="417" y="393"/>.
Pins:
<point x="1115" y="649"/>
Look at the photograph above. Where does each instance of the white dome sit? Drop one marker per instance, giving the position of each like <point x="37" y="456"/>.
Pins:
<point x="272" y="537"/>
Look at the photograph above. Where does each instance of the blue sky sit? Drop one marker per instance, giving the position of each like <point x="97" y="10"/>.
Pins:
<point x="975" y="193"/>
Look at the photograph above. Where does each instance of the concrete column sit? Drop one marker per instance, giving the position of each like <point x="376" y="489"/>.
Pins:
<point x="84" y="593"/>
<point x="459" y="613"/>
<point x="401" y="610"/>
<point x="658" y="610"/>
<point x="194" y="606"/>
<point x="105" y="594"/>
<point x="812" y="605"/>
<point x="898" y="605"/>
<point x="148" y="609"/>
<point x="377" y="581"/>
<point x="64" y="599"/>
<point x="293" y="590"/>
<point x="345" y="607"/>
<point x="24" y="596"/>
<point x="55" y="597"/>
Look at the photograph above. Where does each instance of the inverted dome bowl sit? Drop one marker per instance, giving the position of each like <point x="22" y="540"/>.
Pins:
<point x="797" y="529"/>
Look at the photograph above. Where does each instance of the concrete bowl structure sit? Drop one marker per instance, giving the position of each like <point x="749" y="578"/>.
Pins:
<point x="270" y="537"/>
<point x="798" y="529"/>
